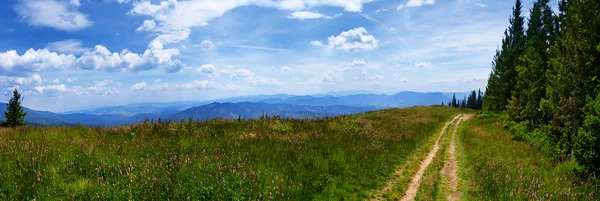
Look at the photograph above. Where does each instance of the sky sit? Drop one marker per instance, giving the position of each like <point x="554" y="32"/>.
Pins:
<point x="67" y="55"/>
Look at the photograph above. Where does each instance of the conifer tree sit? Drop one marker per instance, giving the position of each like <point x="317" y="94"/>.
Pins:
<point x="503" y="75"/>
<point x="15" y="116"/>
<point x="454" y="103"/>
<point x="531" y="81"/>
<point x="479" y="100"/>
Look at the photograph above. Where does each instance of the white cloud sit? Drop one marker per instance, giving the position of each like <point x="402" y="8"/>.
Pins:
<point x="33" y="79"/>
<point x="55" y="81"/>
<point x="316" y="43"/>
<point x="422" y="65"/>
<point x="148" y="25"/>
<point x="51" y="88"/>
<point x="353" y="40"/>
<point x="103" y="83"/>
<point x="75" y="3"/>
<point x="70" y="46"/>
<point x="157" y="80"/>
<point x="155" y="55"/>
<point x="358" y="62"/>
<point x="196" y="84"/>
<point x="139" y="86"/>
<point x="206" y="44"/>
<point x="71" y="80"/>
<point x="400" y="7"/>
<point x="417" y="3"/>
<point x="250" y="77"/>
<point x="175" y="18"/>
<point x="122" y="1"/>
<point x="207" y="68"/>
<point x="286" y="68"/>
<point x="302" y="15"/>
<point x="52" y="13"/>
<point x="34" y="60"/>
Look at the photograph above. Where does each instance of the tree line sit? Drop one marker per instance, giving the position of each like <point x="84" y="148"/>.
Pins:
<point x="474" y="101"/>
<point x="545" y="80"/>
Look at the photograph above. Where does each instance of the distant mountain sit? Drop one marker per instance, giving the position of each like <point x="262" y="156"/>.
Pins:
<point x="248" y="110"/>
<point x="402" y="99"/>
<point x="53" y="119"/>
<point x="312" y="106"/>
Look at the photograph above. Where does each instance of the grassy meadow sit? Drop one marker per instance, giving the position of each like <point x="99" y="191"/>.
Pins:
<point x="494" y="166"/>
<point x="340" y="158"/>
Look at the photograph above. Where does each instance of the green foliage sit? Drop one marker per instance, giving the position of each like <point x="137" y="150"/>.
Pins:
<point x="587" y="142"/>
<point x="496" y="167"/>
<point x="15" y="116"/>
<point x="556" y="79"/>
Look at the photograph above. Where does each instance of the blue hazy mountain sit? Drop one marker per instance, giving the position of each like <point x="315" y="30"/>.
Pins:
<point x="311" y="106"/>
<point x="248" y="110"/>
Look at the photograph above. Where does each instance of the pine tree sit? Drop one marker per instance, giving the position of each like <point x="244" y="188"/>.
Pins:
<point x="503" y="76"/>
<point x="454" y="103"/>
<point x="574" y="68"/>
<point x="463" y="103"/>
<point x="531" y="81"/>
<point x="472" y="101"/>
<point x="15" y="116"/>
<point x="479" y="100"/>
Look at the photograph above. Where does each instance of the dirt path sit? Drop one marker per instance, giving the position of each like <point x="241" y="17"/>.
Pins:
<point x="413" y="186"/>
<point x="451" y="165"/>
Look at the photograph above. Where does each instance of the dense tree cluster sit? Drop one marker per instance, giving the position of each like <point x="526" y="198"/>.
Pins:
<point x="545" y="80"/>
<point x="475" y="101"/>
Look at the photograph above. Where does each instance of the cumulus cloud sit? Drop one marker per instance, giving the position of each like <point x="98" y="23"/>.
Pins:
<point x="302" y="15"/>
<point x="139" y="86"/>
<point x="102" y="58"/>
<point x="400" y="7"/>
<point x="75" y="3"/>
<point x="206" y="44"/>
<point x="196" y="84"/>
<point x="51" y="88"/>
<point x="417" y="3"/>
<point x="207" y="68"/>
<point x="148" y="25"/>
<point x="70" y="46"/>
<point x="157" y="80"/>
<point x="32" y="79"/>
<point x="60" y="15"/>
<point x="34" y="60"/>
<point x="316" y="43"/>
<point x="353" y="40"/>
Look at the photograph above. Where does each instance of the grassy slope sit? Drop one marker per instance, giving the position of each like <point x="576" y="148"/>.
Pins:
<point x="493" y="166"/>
<point x="344" y="158"/>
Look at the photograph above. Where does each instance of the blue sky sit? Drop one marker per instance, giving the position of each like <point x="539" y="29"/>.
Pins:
<point x="73" y="54"/>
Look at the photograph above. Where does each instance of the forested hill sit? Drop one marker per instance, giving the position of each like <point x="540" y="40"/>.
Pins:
<point x="545" y="80"/>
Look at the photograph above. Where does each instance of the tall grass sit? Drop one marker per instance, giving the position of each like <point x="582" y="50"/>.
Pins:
<point x="493" y="166"/>
<point x="342" y="158"/>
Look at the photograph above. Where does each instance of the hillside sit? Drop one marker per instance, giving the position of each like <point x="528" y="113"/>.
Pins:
<point x="249" y="110"/>
<point x="344" y="157"/>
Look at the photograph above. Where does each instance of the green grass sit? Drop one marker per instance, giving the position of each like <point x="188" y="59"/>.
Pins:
<point x="341" y="158"/>
<point x="493" y="166"/>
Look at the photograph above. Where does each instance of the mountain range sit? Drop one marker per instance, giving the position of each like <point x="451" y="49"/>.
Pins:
<point x="285" y="105"/>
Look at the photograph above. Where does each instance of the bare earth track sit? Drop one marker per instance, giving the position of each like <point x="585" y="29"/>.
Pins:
<point x="451" y="165"/>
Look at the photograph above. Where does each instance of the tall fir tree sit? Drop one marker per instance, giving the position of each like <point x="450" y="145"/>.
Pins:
<point x="503" y="75"/>
<point x="454" y="103"/>
<point x="15" y="116"/>
<point x="530" y="85"/>
<point x="479" y="100"/>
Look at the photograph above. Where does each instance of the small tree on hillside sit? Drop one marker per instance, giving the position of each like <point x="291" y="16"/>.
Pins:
<point x="15" y="116"/>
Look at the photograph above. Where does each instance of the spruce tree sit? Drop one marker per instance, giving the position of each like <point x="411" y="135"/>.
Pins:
<point x="15" y="116"/>
<point x="479" y="100"/>
<point x="503" y="75"/>
<point x="531" y="81"/>
<point x="454" y="103"/>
